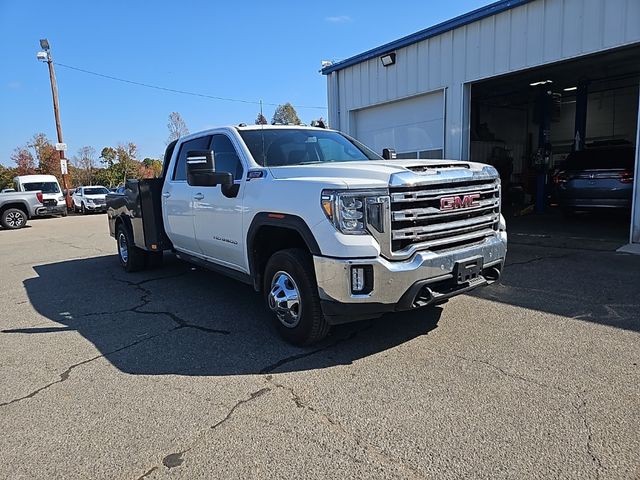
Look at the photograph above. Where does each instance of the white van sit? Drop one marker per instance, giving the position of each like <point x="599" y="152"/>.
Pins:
<point x="53" y="202"/>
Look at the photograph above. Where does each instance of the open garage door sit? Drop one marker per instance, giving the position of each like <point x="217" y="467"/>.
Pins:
<point x="414" y="127"/>
<point x="563" y="138"/>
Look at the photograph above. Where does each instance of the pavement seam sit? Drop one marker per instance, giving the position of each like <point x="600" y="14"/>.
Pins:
<point x="176" y="459"/>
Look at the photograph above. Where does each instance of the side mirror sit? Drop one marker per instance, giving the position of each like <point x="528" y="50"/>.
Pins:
<point x="201" y="170"/>
<point x="389" y="154"/>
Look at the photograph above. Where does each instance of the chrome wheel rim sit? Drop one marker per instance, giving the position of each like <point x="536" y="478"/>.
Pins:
<point x="15" y="219"/>
<point x="123" y="248"/>
<point x="284" y="299"/>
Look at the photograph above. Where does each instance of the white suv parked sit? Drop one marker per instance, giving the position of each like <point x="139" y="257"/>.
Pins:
<point x="90" y="199"/>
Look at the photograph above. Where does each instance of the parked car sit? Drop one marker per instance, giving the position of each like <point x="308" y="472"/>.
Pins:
<point x="597" y="178"/>
<point x="17" y="207"/>
<point x="53" y="202"/>
<point x="90" y="199"/>
<point x="326" y="229"/>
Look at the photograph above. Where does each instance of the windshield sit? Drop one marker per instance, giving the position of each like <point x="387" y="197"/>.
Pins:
<point x="44" y="187"/>
<point x="272" y="147"/>
<point x="96" y="191"/>
<point x="601" y="159"/>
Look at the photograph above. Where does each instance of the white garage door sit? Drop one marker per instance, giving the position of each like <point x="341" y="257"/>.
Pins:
<point x="414" y="127"/>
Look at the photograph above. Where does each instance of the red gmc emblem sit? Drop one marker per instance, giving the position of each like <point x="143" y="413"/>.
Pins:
<point x="457" y="201"/>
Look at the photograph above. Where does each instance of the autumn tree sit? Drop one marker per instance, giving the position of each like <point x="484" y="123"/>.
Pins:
<point x="261" y="119"/>
<point x="6" y="176"/>
<point x="152" y="167"/>
<point x="85" y="165"/>
<point x="25" y="163"/>
<point x="285" y="114"/>
<point x="177" y="127"/>
<point x="46" y="154"/>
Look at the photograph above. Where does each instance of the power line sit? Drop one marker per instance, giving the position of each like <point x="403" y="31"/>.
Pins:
<point x="183" y="92"/>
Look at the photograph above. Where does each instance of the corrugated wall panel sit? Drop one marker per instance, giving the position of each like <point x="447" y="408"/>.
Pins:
<point x="539" y="32"/>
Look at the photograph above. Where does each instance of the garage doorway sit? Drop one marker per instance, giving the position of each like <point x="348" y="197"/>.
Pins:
<point x="563" y="138"/>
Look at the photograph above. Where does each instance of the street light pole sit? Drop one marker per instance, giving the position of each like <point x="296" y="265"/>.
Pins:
<point x="46" y="55"/>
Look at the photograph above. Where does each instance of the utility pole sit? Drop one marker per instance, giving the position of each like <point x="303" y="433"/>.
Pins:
<point x="46" y="56"/>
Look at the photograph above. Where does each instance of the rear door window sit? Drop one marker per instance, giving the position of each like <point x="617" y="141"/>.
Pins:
<point x="180" y="168"/>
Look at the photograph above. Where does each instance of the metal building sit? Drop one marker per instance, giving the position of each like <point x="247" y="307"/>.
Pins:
<point x="530" y="79"/>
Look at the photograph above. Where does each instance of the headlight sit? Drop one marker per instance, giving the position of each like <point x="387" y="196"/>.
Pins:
<point x="61" y="199"/>
<point x="347" y="210"/>
<point x="90" y="200"/>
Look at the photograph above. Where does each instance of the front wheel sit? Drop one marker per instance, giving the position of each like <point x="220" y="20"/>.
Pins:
<point x="13" y="218"/>
<point x="291" y="293"/>
<point x="131" y="257"/>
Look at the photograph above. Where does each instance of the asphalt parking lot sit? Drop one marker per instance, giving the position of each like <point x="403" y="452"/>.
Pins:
<point x="177" y="373"/>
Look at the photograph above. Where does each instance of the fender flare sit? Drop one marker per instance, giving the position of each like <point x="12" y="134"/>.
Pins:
<point x="280" y="220"/>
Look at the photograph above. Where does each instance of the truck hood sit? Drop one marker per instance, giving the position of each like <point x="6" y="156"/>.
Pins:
<point x="382" y="173"/>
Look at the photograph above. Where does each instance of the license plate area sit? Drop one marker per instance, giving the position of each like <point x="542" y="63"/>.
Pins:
<point x="467" y="270"/>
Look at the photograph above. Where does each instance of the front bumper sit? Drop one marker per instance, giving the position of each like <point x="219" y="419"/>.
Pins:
<point x="96" y="208"/>
<point x="426" y="278"/>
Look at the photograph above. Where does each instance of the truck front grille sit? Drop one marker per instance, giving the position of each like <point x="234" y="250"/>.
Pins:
<point x="471" y="213"/>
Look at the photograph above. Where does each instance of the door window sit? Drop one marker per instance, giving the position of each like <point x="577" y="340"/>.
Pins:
<point x="225" y="156"/>
<point x="180" y="169"/>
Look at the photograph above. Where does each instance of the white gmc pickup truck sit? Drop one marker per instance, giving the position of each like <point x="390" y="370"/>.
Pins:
<point x="326" y="229"/>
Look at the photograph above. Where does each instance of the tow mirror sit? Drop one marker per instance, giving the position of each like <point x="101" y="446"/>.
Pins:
<point x="201" y="170"/>
<point x="389" y="154"/>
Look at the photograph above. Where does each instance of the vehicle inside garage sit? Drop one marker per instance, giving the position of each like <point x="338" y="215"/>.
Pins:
<point x="563" y="137"/>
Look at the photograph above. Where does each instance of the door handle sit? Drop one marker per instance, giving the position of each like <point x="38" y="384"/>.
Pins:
<point x="166" y="194"/>
<point x="198" y="196"/>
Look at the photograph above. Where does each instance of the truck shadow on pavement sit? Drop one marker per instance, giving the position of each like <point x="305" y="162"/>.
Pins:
<point x="182" y="320"/>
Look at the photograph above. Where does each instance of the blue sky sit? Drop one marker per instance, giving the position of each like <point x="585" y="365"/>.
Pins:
<point x="268" y="51"/>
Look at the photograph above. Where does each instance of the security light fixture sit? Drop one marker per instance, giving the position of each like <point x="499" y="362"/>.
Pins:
<point x="326" y="63"/>
<point x="388" y="59"/>
<point x="44" y="44"/>
<point x="42" y="56"/>
<point x="570" y="89"/>
<point x="541" y="82"/>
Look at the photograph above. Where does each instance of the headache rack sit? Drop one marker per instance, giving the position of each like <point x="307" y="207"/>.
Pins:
<point x="422" y="220"/>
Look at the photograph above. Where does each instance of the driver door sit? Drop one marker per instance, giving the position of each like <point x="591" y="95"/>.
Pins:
<point x="218" y="215"/>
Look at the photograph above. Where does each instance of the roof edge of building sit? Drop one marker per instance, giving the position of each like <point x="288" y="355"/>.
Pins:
<point x="435" y="30"/>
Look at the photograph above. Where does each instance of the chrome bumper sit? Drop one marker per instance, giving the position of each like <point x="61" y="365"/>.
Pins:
<point x="392" y="280"/>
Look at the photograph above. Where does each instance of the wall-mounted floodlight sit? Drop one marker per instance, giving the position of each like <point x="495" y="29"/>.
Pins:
<point x="326" y="63"/>
<point x="388" y="59"/>
<point x="44" y="44"/>
<point x="42" y="56"/>
<point x="541" y="82"/>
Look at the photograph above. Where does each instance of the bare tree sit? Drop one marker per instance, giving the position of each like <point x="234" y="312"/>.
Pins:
<point x="177" y="127"/>
<point x="85" y="163"/>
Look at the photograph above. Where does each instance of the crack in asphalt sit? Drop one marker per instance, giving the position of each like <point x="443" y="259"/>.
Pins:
<point x="176" y="459"/>
<point x="298" y="356"/>
<point x="579" y="406"/>
<point x="537" y="259"/>
<point x="146" y="300"/>
<point x="374" y="452"/>
<point x="65" y="375"/>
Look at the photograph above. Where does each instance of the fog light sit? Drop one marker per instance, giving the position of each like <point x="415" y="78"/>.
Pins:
<point x="357" y="279"/>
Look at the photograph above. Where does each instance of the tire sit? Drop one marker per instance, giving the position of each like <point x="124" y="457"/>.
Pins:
<point x="154" y="259"/>
<point x="83" y="210"/>
<point x="64" y="212"/>
<point x="13" y="219"/>
<point x="290" y="273"/>
<point x="131" y="257"/>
